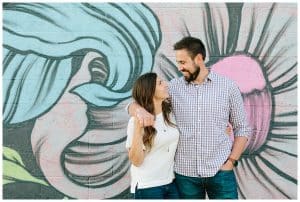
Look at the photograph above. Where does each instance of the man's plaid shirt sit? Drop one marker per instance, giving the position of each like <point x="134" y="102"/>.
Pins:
<point x="202" y="113"/>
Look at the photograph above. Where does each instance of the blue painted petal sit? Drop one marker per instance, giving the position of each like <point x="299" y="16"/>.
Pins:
<point x="127" y="35"/>
<point x="32" y="85"/>
<point x="98" y="95"/>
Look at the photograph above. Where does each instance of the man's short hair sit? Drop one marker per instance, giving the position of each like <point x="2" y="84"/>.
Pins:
<point x="193" y="45"/>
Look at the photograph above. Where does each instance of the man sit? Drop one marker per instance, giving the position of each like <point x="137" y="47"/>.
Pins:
<point x="203" y="103"/>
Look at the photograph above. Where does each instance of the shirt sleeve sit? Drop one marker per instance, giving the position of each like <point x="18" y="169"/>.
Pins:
<point x="130" y="131"/>
<point x="237" y="116"/>
<point x="127" y="106"/>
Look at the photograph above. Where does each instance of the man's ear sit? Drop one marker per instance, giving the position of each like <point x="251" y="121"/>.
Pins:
<point x="199" y="58"/>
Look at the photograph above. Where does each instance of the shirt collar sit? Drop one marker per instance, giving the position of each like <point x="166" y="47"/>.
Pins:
<point x="210" y="77"/>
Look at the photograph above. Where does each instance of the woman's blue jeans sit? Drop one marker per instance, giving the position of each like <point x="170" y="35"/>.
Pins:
<point x="168" y="191"/>
<point x="221" y="186"/>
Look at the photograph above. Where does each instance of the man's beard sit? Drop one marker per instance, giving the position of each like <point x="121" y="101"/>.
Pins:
<point x="192" y="76"/>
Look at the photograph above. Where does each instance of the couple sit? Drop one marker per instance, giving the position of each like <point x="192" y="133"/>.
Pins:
<point x="202" y="103"/>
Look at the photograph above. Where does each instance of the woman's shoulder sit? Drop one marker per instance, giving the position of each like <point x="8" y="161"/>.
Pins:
<point x="132" y="119"/>
<point x="133" y="122"/>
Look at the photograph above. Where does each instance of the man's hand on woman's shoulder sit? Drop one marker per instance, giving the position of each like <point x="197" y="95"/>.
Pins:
<point x="144" y="117"/>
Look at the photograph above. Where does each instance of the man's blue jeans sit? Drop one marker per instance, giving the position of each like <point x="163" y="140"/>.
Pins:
<point x="221" y="186"/>
<point x="168" y="191"/>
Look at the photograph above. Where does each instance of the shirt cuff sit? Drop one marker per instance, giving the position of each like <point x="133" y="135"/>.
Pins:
<point x="242" y="132"/>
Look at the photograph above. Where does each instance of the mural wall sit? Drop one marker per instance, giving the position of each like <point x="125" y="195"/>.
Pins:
<point x="68" y="71"/>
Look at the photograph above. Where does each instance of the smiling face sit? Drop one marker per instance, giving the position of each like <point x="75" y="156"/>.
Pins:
<point x="161" y="89"/>
<point x="186" y="65"/>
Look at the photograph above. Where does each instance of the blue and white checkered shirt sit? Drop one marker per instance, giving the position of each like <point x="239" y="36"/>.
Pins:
<point x="202" y="113"/>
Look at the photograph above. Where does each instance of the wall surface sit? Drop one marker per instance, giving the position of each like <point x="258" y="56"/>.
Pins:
<point x="68" y="71"/>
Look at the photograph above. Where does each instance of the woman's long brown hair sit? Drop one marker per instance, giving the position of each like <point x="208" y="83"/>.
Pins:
<point x="143" y="93"/>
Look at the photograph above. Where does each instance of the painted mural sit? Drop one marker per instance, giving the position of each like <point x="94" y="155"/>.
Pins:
<point x="68" y="70"/>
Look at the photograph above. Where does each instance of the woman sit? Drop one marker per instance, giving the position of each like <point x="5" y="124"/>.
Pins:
<point x="151" y="150"/>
